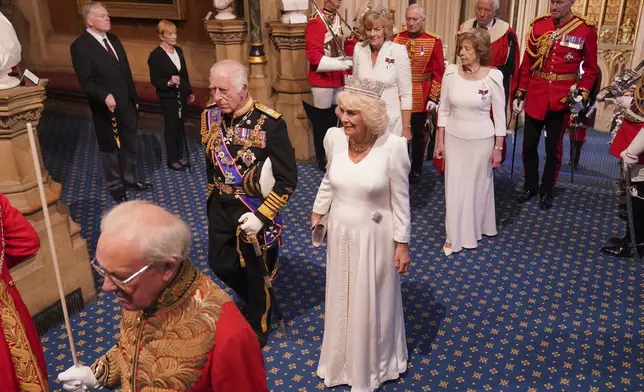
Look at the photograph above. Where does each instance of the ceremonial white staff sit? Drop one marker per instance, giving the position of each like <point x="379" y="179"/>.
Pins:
<point x="50" y="236"/>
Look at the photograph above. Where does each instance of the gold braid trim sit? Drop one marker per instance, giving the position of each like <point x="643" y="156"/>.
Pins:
<point x="544" y="43"/>
<point x="107" y="369"/>
<point x="24" y="361"/>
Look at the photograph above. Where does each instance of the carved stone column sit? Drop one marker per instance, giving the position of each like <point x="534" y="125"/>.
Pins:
<point x="258" y="84"/>
<point x="229" y="38"/>
<point x="290" y="86"/>
<point x="35" y="278"/>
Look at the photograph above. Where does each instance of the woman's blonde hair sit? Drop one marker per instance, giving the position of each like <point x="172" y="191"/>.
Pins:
<point x="377" y="16"/>
<point x="165" y="26"/>
<point x="373" y="110"/>
<point x="480" y="40"/>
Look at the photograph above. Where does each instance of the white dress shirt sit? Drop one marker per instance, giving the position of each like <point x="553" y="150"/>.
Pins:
<point x="174" y="56"/>
<point x="100" y="39"/>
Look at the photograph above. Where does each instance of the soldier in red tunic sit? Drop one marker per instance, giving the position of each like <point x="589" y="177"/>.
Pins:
<point x="556" y="45"/>
<point x="179" y="330"/>
<point x="327" y="67"/>
<point x="425" y="51"/>
<point x="628" y="146"/>
<point x="22" y="363"/>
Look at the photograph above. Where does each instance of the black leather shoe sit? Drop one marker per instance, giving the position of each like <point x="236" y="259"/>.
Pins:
<point x="140" y="187"/>
<point x="414" y="177"/>
<point x="118" y="196"/>
<point x="622" y="250"/>
<point x="616" y="240"/>
<point x="525" y="196"/>
<point x="545" y="203"/>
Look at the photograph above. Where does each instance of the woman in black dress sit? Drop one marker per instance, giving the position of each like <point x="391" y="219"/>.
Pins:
<point x="169" y="74"/>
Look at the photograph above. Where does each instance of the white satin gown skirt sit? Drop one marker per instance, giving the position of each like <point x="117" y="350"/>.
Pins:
<point x="364" y="341"/>
<point x="469" y="191"/>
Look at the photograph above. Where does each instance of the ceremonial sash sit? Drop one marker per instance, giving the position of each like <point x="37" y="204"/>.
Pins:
<point x="271" y="232"/>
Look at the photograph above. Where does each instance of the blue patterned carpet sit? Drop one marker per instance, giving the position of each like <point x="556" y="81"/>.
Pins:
<point x="536" y="308"/>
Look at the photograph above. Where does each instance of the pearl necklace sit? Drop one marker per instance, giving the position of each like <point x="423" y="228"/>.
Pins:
<point x="362" y="148"/>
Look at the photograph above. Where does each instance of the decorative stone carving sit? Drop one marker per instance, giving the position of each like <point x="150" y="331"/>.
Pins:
<point x="294" y="11"/>
<point x="229" y="38"/>
<point x="10" y="50"/>
<point x="35" y="277"/>
<point x="224" y="9"/>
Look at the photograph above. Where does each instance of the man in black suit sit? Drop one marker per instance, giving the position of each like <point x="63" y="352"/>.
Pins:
<point x="102" y="68"/>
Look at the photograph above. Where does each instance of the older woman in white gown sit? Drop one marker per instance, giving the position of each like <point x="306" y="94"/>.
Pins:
<point x="365" y="192"/>
<point x="381" y="59"/>
<point x="470" y="141"/>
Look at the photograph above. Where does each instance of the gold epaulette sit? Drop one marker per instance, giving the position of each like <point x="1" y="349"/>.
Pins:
<point x="313" y="15"/>
<point x="585" y="20"/>
<point x="544" y="16"/>
<point x="433" y="35"/>
<point x="267" y="111"/>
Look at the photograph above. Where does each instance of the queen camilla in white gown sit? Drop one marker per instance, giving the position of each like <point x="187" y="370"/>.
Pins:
<point x="368" y="205"/>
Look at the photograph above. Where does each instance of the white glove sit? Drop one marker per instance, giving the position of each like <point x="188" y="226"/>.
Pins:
<point x="328" y="64"/>
<point x="628" y="158"/>
<point x="78" y="378"/>
<point x="517" y="106"/>
<point x="348" y="63"/>
<point x="250" y="223"/>
<point x="431" y="106"/>
<point x="624" y="102"/>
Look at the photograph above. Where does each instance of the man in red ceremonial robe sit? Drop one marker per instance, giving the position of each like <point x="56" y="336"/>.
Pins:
<point x="505" y="46"/>
<point x="628" y="146"/>
<point x="425" y="51"/>
<point x="327" y="68"/>
<point x="22" y="363"/>
<point x="557" y="44"/>
<point x="179" y="330"/>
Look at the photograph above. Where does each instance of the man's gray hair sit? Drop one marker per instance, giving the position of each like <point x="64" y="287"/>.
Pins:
<point x="160" y="234"/>
<point x="496" y="4"/>
<point x="416" y="6"/>
<point x="87" y="8"/>
<point x="232" y="69"/>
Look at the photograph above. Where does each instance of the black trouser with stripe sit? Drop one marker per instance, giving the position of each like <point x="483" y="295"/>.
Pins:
<point x="418" y="141"/>
<point x="555" y="123"/>
<point x="223" y="258"/>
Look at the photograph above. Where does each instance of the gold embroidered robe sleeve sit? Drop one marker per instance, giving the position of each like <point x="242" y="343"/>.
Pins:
<point x="107" y="369"/>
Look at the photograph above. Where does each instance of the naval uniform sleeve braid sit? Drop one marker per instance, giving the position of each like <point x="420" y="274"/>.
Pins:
<point x="107" y="370"/>
<point x="282" y="156"/>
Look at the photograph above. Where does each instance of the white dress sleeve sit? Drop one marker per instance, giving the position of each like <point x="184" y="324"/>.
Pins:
<point x="399" y="167"/>
<point x="443" y="106"/>
<point x="357" y="53"/>
<point x="498" y="102"/>
<point x="325" y="191"/>
<point x="403" y="74"/>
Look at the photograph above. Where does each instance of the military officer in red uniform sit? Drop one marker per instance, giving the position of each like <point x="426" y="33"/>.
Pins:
<point x="556" y="45"/>
<point x="425" y="51"/>
<point x="22" y="363"/>
<point x="628" y="146"/>
<point x="327" y="67"/>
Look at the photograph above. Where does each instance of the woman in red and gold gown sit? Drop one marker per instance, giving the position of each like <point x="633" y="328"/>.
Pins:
<point x="22" y="363"/>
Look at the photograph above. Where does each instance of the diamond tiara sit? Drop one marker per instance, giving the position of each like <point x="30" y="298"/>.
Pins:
<point x="367" y="87"/>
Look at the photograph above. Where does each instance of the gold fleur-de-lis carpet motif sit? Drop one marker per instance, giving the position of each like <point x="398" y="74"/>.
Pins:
<point x="537" y="308"/>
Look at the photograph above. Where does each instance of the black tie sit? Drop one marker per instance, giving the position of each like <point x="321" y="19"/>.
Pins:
<point x="109" y="49"/>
